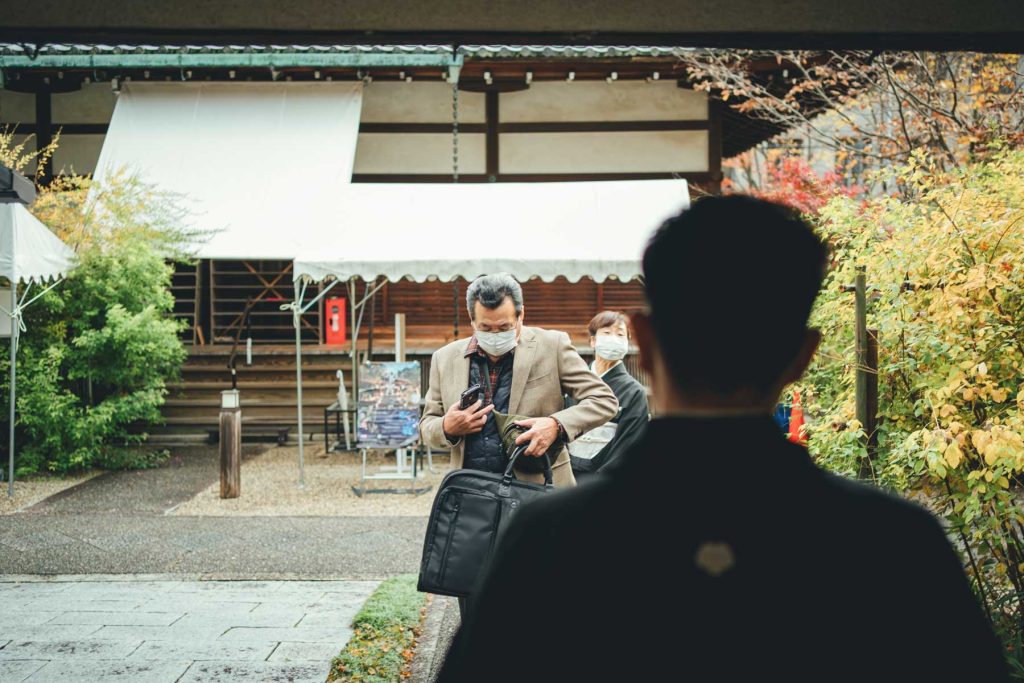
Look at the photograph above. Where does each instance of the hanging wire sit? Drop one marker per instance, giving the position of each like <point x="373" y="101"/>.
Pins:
<point x="455" y="132"/>
<point x="455" y="179"/>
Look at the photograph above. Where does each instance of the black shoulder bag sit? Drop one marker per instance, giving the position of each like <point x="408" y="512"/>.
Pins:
<point x="470" y="511"/>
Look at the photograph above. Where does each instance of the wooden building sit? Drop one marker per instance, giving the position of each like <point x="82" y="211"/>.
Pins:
<point x="518" y="114"/>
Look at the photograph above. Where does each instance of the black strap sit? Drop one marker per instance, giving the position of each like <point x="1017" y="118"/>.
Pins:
<point x="506" y="479"/>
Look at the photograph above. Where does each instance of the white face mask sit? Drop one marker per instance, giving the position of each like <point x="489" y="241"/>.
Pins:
<point x="611" y="347"/>
<point x="497" y="343"/>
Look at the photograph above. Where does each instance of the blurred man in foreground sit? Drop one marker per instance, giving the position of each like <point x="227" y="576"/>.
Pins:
<point x="718" y="551"/>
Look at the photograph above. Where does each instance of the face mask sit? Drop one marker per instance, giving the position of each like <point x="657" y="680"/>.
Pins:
<point x="610" y="347"/>
<point x="497" y="343"/>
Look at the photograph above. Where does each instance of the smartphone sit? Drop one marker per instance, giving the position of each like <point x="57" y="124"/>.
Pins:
<point x="469" y="397"/>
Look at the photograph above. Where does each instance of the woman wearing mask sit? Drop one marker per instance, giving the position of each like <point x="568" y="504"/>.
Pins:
<point x="609" y="337"/>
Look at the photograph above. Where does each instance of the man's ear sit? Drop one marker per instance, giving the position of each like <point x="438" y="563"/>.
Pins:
<point x="642" y="333"/>
<point x="803" y="358"/>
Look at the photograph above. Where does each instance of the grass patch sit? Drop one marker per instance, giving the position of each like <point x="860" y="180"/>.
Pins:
<point x="384" y="633"/>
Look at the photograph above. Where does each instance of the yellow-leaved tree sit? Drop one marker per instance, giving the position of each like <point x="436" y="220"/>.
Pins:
<point x="945" y="272"/>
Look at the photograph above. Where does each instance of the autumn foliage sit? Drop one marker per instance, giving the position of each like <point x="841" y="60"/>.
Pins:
<point x="945" y="270"/>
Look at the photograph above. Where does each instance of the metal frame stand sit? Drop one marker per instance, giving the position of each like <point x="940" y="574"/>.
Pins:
<point x="397" y="473"/>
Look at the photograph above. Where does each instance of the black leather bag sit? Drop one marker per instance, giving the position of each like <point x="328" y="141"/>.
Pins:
<point x="470" y="511"/>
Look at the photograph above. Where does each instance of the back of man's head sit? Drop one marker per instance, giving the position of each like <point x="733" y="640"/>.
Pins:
<point x="730" y="283"/>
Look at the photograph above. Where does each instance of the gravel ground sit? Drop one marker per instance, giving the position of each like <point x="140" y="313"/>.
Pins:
<point x="269" y="488"/>
<point x="28" y="492"/>
<point x="148" y="491"/>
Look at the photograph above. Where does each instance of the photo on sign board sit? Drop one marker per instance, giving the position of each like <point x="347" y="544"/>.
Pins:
<point x="389" y="404"/>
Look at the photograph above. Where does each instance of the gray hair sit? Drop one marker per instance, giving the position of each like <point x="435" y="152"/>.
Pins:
<point x="491" y="290"/>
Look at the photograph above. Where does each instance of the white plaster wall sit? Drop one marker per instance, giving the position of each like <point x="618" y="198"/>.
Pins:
<point x="94" y="103"/>
<point x="642" y="152"/>
<point x="418" y="153"/>
<point x="77" y="154"/>
<point x="418" y="102"/>
<point x="601" y="101"/>
<point x="17" y="107"/>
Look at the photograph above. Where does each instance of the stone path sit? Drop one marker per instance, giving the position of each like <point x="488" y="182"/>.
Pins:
<point x="100" y="583"/>
<point x="99" y="629"/>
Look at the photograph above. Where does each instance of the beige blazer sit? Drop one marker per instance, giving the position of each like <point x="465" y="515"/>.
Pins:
<point x="544" y="368"/>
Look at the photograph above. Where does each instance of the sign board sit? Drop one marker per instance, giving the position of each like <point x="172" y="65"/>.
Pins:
<point x="389" y="404"/>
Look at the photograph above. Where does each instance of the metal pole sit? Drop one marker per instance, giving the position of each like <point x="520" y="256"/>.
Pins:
<point x="298" y="391"/>
<point x="300" y="293"/>
<point x="353" y="334"/>
<point x="14" y="351"/>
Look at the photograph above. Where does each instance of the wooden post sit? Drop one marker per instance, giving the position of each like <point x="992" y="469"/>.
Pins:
<point x="44" y="132"/>
<point x="400" y="337"/>
<point x="871" y="426"/>
<point x="864" y="415"/>
<point x="230" y="445"/>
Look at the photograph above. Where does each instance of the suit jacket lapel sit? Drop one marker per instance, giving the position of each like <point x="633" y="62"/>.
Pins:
<point x="459" y="378"/>
<point x="521" y="364"/>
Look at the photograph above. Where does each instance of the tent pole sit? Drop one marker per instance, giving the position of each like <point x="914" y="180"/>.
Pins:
<point x="14" y="351"/>
<point x="297" y="322"/>
<point x="353" y="333"/>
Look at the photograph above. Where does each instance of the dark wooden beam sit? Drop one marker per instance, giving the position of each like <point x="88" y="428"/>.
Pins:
<point x="600" y="126"/>
<point x="992" y="25"/>
<point x="421" y="127"/>
<point x="715" y="144"/>
<point x="493" y="125"/>
<point x="44" y="132"/>
<point x="702" y="178"/>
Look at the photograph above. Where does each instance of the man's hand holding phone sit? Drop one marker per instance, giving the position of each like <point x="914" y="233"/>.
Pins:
<point x="458" y="422"/>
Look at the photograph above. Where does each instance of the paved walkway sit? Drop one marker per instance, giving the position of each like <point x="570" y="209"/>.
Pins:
<point x="97" y="629"/>
<point x="99" y="583"/>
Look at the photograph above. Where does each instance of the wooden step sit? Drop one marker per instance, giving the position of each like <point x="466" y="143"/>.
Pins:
<point x="201" y="423"/>
<point x="244" y="384"/>
<point x="308" y="402"/>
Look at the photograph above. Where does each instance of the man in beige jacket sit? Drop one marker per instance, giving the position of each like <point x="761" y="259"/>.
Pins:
<point x="521" y="370"/>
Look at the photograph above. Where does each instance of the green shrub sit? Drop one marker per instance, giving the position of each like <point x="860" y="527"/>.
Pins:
<point x="99" y="348"/>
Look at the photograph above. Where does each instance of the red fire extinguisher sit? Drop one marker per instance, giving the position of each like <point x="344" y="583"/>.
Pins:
<point x="335" y="322"/>
<point x="796" y="421"/>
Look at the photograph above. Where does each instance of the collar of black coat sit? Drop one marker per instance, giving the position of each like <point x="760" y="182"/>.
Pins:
<point x="614" y="371"/>
<point x="734" y="446"/>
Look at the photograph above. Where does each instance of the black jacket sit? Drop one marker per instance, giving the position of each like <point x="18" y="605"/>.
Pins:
<point x="630" y="422"/>
<point x="719" y="552"/>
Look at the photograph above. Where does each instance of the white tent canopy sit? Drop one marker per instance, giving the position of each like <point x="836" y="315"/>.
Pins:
<point x="546" y="230"/>
<point x="426" y="231"/>
<point x="29" y="254"/>
<point x="260" y="163"/>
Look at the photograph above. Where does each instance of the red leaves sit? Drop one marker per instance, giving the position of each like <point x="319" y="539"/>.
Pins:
<point x="793" y="182"/>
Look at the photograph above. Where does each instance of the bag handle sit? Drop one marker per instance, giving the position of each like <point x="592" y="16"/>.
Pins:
<point x="506" y="479"/>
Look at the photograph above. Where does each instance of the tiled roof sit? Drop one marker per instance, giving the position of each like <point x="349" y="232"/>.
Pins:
<point x="471" y="51"/>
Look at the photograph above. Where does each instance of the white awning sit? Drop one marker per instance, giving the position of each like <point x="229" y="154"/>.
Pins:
<point x="261" y="163"/>
<point x="29" y="252"/>
<point x="443" y="231"/>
